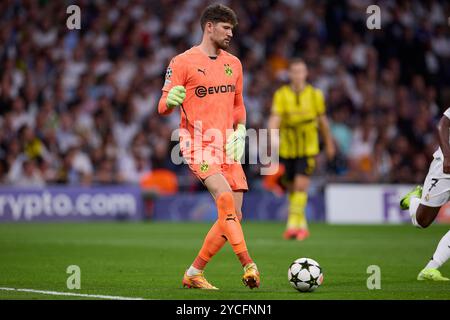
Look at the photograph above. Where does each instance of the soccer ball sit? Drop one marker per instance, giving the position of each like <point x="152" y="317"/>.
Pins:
<point x="305" y="275"/>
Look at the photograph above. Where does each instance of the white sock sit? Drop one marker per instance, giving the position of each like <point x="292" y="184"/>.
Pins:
<point x="442" y="252"/>
<point x="413" y="205"/>
<point x="193" y="271"/>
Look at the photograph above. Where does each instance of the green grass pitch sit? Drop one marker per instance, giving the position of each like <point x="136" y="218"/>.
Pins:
<point x="148" y="259"/>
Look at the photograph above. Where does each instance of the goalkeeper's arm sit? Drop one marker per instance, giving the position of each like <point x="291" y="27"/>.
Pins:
<point x="235" y="146"/>
<point x="171" y="99"/>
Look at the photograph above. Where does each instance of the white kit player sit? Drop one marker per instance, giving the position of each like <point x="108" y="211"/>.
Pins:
<point x="425" y="202"/>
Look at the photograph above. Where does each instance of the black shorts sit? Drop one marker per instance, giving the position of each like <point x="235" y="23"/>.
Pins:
<point x="303" y="166"/>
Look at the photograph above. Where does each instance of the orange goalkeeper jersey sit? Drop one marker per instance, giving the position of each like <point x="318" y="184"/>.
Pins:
<point x="213" y="93"/>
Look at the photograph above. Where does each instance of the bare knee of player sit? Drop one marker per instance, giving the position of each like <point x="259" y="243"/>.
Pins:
<point x="425" y="215"/>
<point x="239" y="214"/>
<point x="301" y="183"/>
<point x="238" y="201"/>
<point x="216" y="185"/>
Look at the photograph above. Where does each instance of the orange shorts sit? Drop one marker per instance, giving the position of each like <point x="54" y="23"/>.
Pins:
<point x="210" y="165"/>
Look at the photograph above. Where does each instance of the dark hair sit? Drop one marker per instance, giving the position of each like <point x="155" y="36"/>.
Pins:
<point x="218" y="13"/>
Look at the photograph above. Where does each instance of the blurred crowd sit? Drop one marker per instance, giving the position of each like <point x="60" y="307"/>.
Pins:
<point x="80" y="106"/>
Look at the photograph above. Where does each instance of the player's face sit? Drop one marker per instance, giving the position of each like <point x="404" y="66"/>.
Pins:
<point x="221" y="35"/>
<point x="298" y="73"/>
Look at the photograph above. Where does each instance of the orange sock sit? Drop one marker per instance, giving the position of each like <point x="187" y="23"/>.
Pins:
<point x="229" y="222"/>
<point x="244" y="258"/>
<point x="214" y="241"/>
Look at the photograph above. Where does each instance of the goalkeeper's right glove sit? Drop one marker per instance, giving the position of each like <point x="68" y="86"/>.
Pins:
<point x="176" y="96"/>
<point x="235" y="146"/>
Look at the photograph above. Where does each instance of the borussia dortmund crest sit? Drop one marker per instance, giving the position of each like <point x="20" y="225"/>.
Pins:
<point x="228" y="70"/>
<point x="204" y="166"/>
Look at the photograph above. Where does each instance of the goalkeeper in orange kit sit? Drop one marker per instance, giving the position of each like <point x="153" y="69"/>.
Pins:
<point x="206" y="83"/>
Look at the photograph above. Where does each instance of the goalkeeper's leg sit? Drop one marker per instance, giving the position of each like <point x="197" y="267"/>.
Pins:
<point x="227" y="227"/>
<point x="251" y="276"/>
<point x="227" y="217"/>
<point x="214" y="240"/>
<point x="229" y="221"/>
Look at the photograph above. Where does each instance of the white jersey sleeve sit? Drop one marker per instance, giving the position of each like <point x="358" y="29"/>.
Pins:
<point x="438" y="153"/>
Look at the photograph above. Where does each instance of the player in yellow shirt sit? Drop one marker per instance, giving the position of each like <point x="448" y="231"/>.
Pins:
<point x="298" y="111"/>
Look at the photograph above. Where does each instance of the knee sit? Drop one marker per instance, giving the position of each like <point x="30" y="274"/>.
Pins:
<point x="423" y="221"/>
<point x="301" y="184"/>
<point x="300" y="188"/>
<point x="225" y="201"/>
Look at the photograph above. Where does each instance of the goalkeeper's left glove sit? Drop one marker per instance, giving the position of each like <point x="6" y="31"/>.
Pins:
<point x="236" y="143"/>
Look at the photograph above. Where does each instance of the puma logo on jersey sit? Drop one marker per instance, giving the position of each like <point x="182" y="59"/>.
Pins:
<point x="229" y="217"/>
<point x="202" y="71"/>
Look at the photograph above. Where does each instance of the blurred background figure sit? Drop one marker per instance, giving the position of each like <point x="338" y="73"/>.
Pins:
<point x="298" y="111"/>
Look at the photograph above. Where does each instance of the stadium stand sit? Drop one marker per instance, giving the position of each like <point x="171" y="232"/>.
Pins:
<point x="79" y="106"/>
